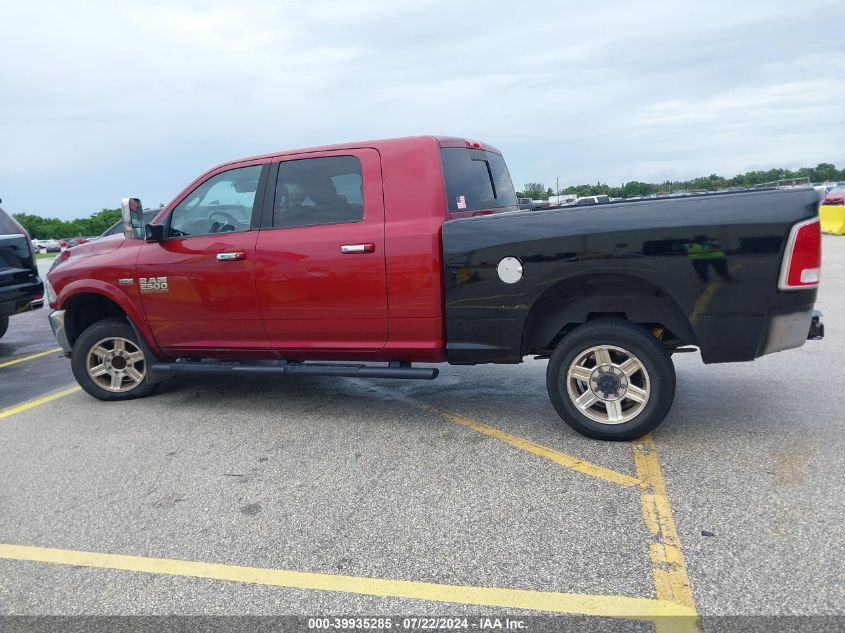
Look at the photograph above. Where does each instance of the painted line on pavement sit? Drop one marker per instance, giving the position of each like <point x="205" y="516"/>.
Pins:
<point x="23" y="359"/>
<point x="5" y="413"/>
<point x="575" y="603"/>
<point x="671" y="580"/>
<point x="559" y="458"/>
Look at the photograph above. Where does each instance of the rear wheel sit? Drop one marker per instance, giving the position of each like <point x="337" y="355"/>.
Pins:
<point x="109" y="362"/>
<point x="4" y="325"/>
<point x="611" y="380"/>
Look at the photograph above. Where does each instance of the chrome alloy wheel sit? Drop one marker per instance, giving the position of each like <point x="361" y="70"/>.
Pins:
<point x="608" y="384"/>
<point x="116" y="364"/>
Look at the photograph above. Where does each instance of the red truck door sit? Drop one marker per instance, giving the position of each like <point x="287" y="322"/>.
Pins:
<point x="320" y="258"/>
<point x="197" y="285"/>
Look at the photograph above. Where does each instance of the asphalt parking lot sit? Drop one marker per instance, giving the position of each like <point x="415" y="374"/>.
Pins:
<point x="466" y="495"/>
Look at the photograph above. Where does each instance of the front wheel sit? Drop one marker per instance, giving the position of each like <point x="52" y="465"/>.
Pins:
<point x="4" y="325"/>
<point x="109" y="362"/>
<point x="611" y="380"/>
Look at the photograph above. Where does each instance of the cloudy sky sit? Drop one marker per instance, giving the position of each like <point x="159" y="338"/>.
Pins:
<point x="106" y="99"/>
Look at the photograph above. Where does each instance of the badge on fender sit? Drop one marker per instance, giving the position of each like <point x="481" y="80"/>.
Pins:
<point x="153" y="284"/>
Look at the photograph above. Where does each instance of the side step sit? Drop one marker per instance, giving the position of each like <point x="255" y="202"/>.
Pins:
<point x="393" y="370"/>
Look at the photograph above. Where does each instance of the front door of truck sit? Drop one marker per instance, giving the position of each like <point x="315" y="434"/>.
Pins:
<point x="320" y="258"/>
<point x="197" y="285"/>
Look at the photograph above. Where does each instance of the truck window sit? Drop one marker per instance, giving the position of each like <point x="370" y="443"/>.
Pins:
<point x="313" y="191"/>
<point x="221" y="204"/>
<point x="476" y="179"/>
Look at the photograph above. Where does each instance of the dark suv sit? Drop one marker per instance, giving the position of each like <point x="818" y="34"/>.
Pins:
<point x="21" y="289"/>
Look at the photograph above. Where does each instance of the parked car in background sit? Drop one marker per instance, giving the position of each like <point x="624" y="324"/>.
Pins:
<point x="47" y="246"/>
<point x="21" y="289"/>
<point x="76" y="241"/>
<point x="836" y="196"/>
<point x="589" y="200"/>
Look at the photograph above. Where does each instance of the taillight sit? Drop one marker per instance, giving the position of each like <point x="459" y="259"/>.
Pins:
<point x="803" y="257"/>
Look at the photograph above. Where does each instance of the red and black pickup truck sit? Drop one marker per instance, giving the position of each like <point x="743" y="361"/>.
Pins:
<point x="331" y="260"/>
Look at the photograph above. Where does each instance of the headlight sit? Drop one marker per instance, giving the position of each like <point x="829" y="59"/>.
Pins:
<point x="49" y="292"/>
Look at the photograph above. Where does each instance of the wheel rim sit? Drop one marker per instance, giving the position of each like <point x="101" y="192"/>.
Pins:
<point x="608" y="384"/>
<point x="116" y="364"/>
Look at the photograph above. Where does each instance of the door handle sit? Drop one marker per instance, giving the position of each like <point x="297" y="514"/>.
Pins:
<point x="348" y="249"/>
<point x="231" y="257"/>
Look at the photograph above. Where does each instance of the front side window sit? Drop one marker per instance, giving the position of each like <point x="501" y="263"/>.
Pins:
<point x="476" y="180"/>
<point x="221" y="204"/>
<point x="313" y="191"/>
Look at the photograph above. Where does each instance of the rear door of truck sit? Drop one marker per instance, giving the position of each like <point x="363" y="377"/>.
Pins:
<point x="320" y="259"/>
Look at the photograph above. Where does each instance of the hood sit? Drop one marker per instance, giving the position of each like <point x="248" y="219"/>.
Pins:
<point x="98" y="246"/>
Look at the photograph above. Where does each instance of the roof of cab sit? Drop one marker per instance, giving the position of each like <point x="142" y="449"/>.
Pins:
<point x="443" y="141"/>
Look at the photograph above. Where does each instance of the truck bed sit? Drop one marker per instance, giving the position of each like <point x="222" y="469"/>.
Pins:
<point x="651" y="253"/>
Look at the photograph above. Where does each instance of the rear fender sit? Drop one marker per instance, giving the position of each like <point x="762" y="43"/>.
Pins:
<point x="573" y="302"/>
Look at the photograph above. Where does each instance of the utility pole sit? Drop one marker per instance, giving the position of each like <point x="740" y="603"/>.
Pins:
<point x="557" y="185"/>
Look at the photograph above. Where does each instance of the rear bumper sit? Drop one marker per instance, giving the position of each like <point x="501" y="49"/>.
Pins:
<point x="788" y="331"/>
<point x="732" y="339"/>
<point x="21" y="298"/>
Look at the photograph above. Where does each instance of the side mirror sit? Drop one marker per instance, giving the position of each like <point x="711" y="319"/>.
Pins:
<point x="133" y="218"/>
<point x="154" y="233"/>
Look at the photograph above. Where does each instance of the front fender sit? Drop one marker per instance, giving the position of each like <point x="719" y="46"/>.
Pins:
<point x="118" y="296"/>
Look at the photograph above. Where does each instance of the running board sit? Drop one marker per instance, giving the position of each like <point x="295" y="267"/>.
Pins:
<point x="393" y="370"/>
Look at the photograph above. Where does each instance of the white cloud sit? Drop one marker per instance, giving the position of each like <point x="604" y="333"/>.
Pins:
<point x="109" y="98"/>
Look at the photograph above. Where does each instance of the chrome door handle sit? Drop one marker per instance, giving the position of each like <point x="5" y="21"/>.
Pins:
<point x="348" y="249"/>
<point x="231" y="257"/>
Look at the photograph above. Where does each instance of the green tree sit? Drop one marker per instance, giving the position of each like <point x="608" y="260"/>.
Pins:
<point x="40" y="228"/>
<point x="533" y="190"/>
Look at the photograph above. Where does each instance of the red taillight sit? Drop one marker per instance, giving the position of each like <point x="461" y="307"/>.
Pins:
<point x="836" y="200"/>
<point x="803" y="257"/>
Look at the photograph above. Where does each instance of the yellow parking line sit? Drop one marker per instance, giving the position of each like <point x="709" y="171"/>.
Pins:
<point x="667" y="560"/>
<point x="562" y="459"/>
<point x="577" y="603"/>
<point x="23" y="359"/>
<point x="5" y="413"/>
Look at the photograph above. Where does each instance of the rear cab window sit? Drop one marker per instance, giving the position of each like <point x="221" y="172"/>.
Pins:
<point x="477" y="181"/>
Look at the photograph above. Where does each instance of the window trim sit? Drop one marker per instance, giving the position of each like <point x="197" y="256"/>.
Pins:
<point x="257" y="203"/>
<point x="269" y="206"/>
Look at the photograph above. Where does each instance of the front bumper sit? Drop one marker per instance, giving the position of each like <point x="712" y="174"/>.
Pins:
<point x="57" y="322"/>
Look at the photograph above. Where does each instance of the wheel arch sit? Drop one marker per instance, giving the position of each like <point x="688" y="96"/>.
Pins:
<point x="581" y="299"/>
<point x="85" y="306"/>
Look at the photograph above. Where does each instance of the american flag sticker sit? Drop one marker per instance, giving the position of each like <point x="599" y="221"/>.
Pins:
<point x="462" y="202"/>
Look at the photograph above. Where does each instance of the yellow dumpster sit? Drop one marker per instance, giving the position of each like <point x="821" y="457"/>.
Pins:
<point x="833" y="218"/>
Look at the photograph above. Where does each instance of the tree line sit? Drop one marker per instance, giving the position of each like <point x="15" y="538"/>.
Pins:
<point x="53" y="228"/>
<point x="823" y="172"/>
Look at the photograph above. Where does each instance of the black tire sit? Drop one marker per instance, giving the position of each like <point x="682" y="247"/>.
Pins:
<point x="100" y="334"/>
<point x="657" y="380"/>
<point x="4" y="325"/>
